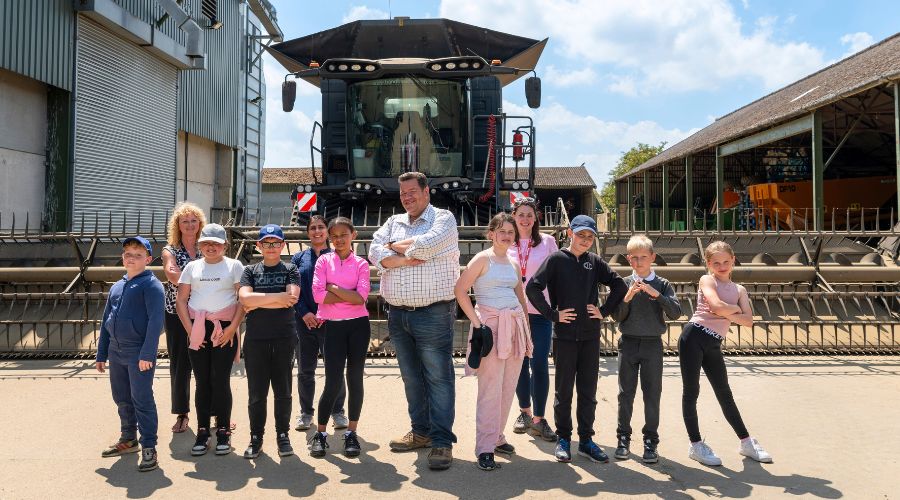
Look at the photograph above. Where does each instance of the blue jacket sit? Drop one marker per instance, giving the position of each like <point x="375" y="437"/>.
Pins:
<point x="306" y="264"/>
<point x="133" y="318"/>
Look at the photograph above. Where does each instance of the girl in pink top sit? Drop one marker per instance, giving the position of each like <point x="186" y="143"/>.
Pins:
<point x="341" y="286"/>
<point x="720" y="302"/>
<point x="530" y="249"/>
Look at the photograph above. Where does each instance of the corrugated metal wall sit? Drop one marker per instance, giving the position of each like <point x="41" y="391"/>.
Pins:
<point x="210" y="100"/>
<point x="125" y="127"/>
<point x="36" y="38"/>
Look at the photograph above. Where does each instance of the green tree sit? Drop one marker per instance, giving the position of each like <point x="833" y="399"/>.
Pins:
<point x="629" y="160"/>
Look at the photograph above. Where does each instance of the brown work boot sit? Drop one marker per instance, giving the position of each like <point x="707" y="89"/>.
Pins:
<point x="440" y="458"/>
<point x="410" y="441"/>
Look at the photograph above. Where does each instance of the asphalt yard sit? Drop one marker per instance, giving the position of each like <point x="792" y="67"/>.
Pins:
<point x="832" y="425"/>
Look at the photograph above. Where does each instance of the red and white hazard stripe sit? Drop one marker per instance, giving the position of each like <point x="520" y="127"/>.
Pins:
<point x="306" y="202"/>
<point x="517" y="195"/>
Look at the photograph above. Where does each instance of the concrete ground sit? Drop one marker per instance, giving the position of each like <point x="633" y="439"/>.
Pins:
<point x="831" y="423"/>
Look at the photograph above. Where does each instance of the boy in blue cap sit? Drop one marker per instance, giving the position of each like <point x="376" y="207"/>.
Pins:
<point x="129" y="339"/>
<point x="572" y="277"/>
<point x="269" y="290"/>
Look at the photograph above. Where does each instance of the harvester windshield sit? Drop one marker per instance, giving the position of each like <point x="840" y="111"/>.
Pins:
<point x="403" y="124"/>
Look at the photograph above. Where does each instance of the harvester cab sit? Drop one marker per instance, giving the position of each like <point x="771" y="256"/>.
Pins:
<point x="421" y="95"/>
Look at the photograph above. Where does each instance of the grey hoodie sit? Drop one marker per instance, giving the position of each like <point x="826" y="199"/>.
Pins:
<point x="643" y="316"/>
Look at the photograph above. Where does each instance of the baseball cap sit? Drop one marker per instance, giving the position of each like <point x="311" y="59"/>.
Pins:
<point x="139" y="239"/>
<point x="212" y="232"/>
<point x="582" y="222"/>
<point x="271" y="231"/>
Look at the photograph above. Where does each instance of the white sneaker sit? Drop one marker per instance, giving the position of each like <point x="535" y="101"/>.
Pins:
<point x="751" y="448"/>
<point x="702" y="453"/>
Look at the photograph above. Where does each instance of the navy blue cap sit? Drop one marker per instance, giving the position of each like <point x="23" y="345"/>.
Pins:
<point x="582" y="222"/>
<point x="271" y="231"/>
<point x="142" y="241"/>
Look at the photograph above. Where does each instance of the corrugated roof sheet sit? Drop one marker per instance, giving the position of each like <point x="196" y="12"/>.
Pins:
<point x="879" y="63"/>
<point x="545" y="177"/>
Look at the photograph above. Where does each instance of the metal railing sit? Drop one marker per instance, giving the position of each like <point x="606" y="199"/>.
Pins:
<point x="851" y="222"/>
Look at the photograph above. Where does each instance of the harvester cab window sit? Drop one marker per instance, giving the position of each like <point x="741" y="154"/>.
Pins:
<point x="407" y="124"/>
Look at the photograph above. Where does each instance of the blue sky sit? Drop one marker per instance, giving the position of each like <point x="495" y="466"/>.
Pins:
<point x="614" y="73"/>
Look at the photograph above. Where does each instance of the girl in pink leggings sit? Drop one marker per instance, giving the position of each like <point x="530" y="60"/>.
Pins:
<point x="497" y="281"/>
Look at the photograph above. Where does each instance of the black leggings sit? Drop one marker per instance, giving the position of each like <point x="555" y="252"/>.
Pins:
<point x="697" y="349"/>
<point x="212" y="375"/>
<point x="179" y="364"/>
<point x="346" y="343"/>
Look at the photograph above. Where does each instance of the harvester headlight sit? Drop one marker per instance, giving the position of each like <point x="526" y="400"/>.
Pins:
<point x="446" y="185"/>
<point x="342" y="67"/>
<point x="476" y="64"/>
<point x="370" y="67"/>
<point x="433" y="190"/>
<point x="307" y="188"/>
<point x="358" y="185"/>
<point x="436" y="67"/>
<point x="463" y="65"/>
<point x="367" y="187"/>
<point x="451" y="65"/>
<point x="524" y="184"/>
<point x="456" y="184"/>
<point x="331" y="67"/>
<point x="378" y="191"/>
<point x="516" y="185"/>
<point x="356" y="67"/>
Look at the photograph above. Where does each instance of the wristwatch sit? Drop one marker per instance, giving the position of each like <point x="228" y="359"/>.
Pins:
<point x="389" y="245"/>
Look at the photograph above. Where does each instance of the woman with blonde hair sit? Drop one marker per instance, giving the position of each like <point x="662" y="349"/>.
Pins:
<point x="183" y="230"/>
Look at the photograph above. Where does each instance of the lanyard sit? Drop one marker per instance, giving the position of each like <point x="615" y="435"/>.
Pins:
<point x="523" y="263"/>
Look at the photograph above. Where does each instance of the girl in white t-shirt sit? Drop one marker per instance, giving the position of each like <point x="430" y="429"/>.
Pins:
<point x="208" y="307"/>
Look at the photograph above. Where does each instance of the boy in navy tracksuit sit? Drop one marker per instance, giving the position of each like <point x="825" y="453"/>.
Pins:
<point x="129" y="339"/>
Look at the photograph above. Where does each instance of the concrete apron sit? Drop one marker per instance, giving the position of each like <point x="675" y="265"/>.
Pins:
<point x="831" y="424"/>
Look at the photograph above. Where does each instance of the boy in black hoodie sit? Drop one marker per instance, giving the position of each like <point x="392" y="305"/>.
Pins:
<point x="572" y="277"/>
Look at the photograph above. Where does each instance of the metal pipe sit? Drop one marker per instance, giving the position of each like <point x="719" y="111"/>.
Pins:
<point x="194" y="43"/>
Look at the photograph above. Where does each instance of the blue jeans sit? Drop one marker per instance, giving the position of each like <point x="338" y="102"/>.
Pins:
<point x="132" y="391"/>
<point x="423" y="339"/>
<point x="535" y="384"/>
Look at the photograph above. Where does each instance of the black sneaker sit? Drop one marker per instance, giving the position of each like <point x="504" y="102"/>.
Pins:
<point x="318" y="444"/>
<point x="201" y="445"/>
<point x="650" y="455"/>
<point x="563" y="451"/>
<point x="351" y="444"/>
<point x="522" y="423"/>
<point x="284" y="445"/>
<point x="622" y="450"/>
<point x="254" y="448"/>
<point x="505" y="449"/>
<point x="542" y="430"/>
<point x="223" y="441"/>
<point x="148" y="460"/>
<point x="590" y="450"/>
<point x="486" y="462"/>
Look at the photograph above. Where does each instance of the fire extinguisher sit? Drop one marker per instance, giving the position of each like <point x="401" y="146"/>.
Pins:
<point x="518" y="150"/>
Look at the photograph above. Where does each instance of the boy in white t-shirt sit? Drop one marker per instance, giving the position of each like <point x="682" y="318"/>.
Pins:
<point x="209" y="310"/>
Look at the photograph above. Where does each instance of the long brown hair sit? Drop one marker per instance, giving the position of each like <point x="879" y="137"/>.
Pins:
<point x="714" y="248"/>
<point x="536" y="227"/>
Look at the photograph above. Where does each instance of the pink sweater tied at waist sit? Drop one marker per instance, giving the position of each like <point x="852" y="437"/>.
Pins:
<point x="198" y="329"/>
<point x="512" y="334"/>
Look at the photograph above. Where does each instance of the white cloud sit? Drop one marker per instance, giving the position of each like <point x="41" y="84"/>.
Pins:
<point x="562" y="78"/>
<point x="287" y="134"/>
<point x="856" y="42"/>
<point x="683" y="45"/>
<point x="624" y="85"/>
<point x="360" y="12"/>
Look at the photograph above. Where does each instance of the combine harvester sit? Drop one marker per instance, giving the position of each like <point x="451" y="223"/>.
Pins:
<point x="426" y="95"/>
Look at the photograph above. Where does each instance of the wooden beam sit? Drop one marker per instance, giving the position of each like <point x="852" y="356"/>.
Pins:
<point x="720" y="189"/>
<point x="665" y="197"/>
<point x="689" y="192"/>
